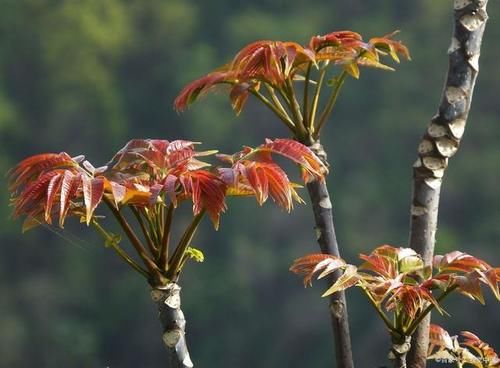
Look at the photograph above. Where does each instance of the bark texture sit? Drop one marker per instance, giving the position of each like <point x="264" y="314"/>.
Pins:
<point x="327" y="240"/>
<point x="399" y="351"/>
<point x="441" y="141"/>
<point x="174" y="324"/>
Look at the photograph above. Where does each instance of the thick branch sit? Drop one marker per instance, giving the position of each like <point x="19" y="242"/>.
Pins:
<point x="173" y="324"/>
<point x="442" y="139"/>
<point x="399" y="350"/>
<point x="325" y="230"/>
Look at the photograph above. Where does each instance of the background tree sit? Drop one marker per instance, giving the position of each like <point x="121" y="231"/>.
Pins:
<point x="441" y="141"/>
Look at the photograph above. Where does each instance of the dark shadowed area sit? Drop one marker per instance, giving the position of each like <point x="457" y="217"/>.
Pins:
<point x="86" y="76"/>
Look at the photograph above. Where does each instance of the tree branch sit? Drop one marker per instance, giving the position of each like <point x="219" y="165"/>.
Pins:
<point x="175" y="261"/>
<point x="156" y="277"/>
<point x="327" y="240"/>
<point x="441" y="141"/>
<point x="152" y="247"/>
<point x="163" y="260"/>
<point x="173" y="324"/>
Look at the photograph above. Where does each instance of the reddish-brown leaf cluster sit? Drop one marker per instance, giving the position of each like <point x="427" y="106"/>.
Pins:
<point x="275" y="62"/>
<point x="396" y="278"/>
<point x="471" y="350"/>
<point x="148" y="172"/>
<point x="254" y="172"/>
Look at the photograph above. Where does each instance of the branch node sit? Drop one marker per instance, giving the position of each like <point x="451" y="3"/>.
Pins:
<point x="425" y="146"/>
<point x="319" y="151"/>
<point x="169" y="294"/>
<point x="454" y="95"/>
<point x="473" y="21"/>
<point x="400" y="348"/>
<point x="337" y="308"/>
<point x="172" y="337"/>
<point x="325" y="203"/>
<point x="433" y="183"/>
<point x="460" y="4"/>
<point x="418" y="210"/>
<point x="446" y="147"/>
<point x="457" y="128"/>
<point x="436" y="130"/>
<point x="435" y="163"/>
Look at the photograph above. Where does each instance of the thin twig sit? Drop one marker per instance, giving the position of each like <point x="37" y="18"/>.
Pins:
<point x="382" y="315"/>
<point x="413" y="326"/>
<point x="141" y="251"/>
<point x="305" y="99"/>
<point x="276" y="100"/>
<point x="286" y="119"/>
<point x="123" y="255"/>
<point x="317" y="92"/>
<point x="329" y="105"/>
<point x="179" y="251"/>
<point x="295" y="107"/>
<point x="152" y="247"/>
<point x="163" y="260"/>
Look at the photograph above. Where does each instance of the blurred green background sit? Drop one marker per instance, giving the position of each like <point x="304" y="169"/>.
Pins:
<point x="85" y="76"/>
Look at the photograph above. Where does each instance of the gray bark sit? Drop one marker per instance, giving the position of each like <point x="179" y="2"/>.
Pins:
<point x="441" y="141"/>
<point x="327" y="240"/>
<point x="399" y="350"/>
<point x="174" y="324"/>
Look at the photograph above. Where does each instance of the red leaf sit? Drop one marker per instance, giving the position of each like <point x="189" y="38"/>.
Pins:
<point x="118" y="192"/>
<point x="33" y="195"/>
<point x="313" y="263"/>
<point x="314" y="169"/>
<point x="69" y="188"/>
<point x="349" y="278"/>
<point x="386" y="44"/>
<point x="93" y="189"/>
<point x="201" y="86"/>
<point x="34" y="166"/>
<point x="489" y="357"/>
<point x="207" y="192"/>
<point x="52" y="190"/>
<point x="238" y="96"/>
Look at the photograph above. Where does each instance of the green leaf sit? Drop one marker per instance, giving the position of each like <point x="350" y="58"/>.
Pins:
<point x="410" y="263"/>
<point x="112" y="240"/>
<point x="195" y="254"/>
<point x="349" y="278"/>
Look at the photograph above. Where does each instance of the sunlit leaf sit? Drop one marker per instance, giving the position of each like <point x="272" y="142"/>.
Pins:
<point x="312" y="264"/>
<point x="201" y="86"/>
<point x="93" y="190"/>
<point x="349" y="278"/>
<point x="195" y="254"/>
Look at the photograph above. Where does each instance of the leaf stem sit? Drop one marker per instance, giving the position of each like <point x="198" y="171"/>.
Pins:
<point x="295" y="107"/>
<point x="272" y="93"/>
<point x="413" y="326"/>
<point x="284" y="117"/>
<point x="382" y="315"/>
<point x="305" y="102"/>
<point x="163" y="260"/>
<point x="329" y="105"/>
<point x="176" y="259"/>
<point x="152" y="247"/>
<point x="123" y="255"/>
<point x="314" y="105"/>
<point x="137" y="244"/>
